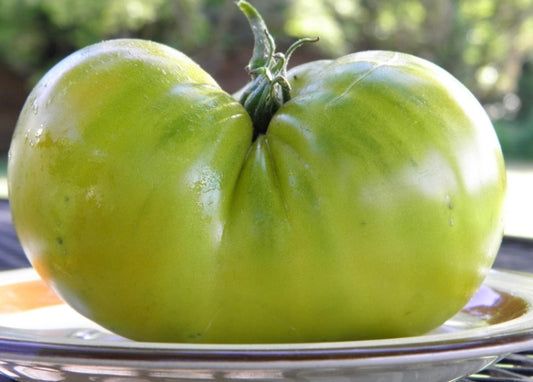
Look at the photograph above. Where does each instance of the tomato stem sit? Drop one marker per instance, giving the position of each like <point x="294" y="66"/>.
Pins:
<point x="269" y="87"/>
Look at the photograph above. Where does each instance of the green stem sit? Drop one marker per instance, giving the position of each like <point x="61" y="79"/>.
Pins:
<point x="264" y="44"/>
<point x="269" y="87"/>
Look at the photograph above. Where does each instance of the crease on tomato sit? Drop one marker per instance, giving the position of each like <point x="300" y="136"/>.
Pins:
<point x="277" y="174"/>
<point x="360" y="77"/>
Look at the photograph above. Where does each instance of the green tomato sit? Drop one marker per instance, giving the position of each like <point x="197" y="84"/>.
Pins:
<point x="371" y="207"/>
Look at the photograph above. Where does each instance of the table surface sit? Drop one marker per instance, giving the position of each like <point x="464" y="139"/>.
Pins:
<point x="515" y="254"/>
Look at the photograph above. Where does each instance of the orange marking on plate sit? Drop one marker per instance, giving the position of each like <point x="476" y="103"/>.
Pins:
<point x="27" y="295"/>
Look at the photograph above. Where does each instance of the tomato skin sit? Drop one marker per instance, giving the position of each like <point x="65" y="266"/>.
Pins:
<point x="371" y="208"/>
<point x="115" y="164"/>
<point x="416" y="181"/>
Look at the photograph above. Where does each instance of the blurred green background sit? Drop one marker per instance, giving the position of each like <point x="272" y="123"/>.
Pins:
<point x="487" y="44"/>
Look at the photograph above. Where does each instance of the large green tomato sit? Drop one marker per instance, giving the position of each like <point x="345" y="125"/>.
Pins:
<point x="370" y="207"/>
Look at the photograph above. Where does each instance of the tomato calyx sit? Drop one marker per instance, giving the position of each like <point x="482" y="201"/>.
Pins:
<point x="269" y="87"/>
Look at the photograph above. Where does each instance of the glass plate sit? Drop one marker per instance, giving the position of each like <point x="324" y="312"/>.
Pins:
<point x="43" y="339"/>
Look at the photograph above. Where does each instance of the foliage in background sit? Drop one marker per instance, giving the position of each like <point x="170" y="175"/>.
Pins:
<point x="35" y="34"/>
<point x="487" y="44"/>
<point x="482" y="42"/>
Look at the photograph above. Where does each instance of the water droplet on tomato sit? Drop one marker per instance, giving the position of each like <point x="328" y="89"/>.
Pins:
<point x="35" y="107"/>
<point x="449" y="202"/>
<point x="39" y="131"/>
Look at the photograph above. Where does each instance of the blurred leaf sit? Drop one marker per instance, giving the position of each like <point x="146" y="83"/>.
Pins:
<point x="484" y="43"/>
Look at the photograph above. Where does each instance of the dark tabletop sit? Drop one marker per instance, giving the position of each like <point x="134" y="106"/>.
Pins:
<point x="11" y="254"/>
